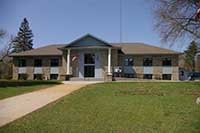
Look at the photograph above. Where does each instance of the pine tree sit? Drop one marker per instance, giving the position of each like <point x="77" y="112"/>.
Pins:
<point x="23" y="41"/>
<point x="190" y="56"/>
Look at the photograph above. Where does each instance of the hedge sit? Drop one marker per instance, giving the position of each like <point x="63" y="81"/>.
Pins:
<point x="16" y="83"/>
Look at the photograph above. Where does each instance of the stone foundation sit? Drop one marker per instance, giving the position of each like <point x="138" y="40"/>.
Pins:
<point x="108" y="78"/>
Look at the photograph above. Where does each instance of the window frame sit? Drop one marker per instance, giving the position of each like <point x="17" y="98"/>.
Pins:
<point x="128" y="62"/>
<point x="22" y="63"/>
<point x="166" y="60"/>
<point x="35" y="63"/>
<point x="149" y="61"/>
<point x="52" y="64"/>
<point x="147" y="76"/>
<point x="166" y="78"/>
<point x="22" y="76"/>
<point x="89" y="61"/>
<point x="38" y="77"/>
<point x="52" y="75"/>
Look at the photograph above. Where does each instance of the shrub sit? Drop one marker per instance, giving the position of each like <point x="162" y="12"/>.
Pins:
<point x="14" y="83"/>
<point x="5" y="70"/>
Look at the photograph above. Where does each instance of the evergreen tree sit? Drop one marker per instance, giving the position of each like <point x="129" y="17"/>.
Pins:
<point x="190" y="56"/>
<point x="23" y="41"/>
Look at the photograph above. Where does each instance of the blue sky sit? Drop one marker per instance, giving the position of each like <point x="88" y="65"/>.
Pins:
<point x="62" y="21"/>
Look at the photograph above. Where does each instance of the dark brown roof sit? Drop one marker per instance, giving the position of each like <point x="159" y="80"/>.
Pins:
<point x="42" y="51"/>
<point x="127" y="48"/>
<point x="141" y="48"/>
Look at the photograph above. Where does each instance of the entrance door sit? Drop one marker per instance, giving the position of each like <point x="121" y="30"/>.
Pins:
<point x="89" y="65"/>
<point x="89" y="71"/>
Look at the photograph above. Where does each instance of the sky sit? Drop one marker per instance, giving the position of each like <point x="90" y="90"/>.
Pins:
<point x="62" y="21"/>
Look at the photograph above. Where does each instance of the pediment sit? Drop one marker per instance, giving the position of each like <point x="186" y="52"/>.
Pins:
<point x="88" y="41"/>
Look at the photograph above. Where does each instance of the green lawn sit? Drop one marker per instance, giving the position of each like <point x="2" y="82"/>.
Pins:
<point x="10" y="88"/>
<point x="118" y="107"/>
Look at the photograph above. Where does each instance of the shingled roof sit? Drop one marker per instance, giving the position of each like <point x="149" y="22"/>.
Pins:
<point x="50" y="50"/>
<point x="127" y="48"/>
<point x="141" y="48"/>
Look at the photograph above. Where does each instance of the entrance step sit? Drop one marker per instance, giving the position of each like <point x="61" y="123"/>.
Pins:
<point x="86" y="79"/>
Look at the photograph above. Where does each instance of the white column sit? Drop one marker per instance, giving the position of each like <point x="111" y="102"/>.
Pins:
<point x="109" y="61"/>
<point x="68" y="61"/>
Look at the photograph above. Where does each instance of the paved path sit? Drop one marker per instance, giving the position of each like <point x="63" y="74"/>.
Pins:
<point x="18" y="106"/>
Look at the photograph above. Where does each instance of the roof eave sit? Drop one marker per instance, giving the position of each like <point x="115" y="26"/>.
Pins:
<point x="34" y="55"/>
<point x="152" y="53"/>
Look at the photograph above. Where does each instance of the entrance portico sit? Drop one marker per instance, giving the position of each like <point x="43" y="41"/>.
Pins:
<point x="89" y="57"/>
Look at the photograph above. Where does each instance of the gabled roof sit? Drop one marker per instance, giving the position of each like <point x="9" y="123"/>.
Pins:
<point x="88" y="40"/>
<point x="141" y="48"/>
<point x="50" y="50"/>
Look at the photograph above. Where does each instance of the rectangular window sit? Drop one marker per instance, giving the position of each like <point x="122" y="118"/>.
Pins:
<point x="129" y="75"/>
<point x="37" y="76"/>
<point x="22" y="63"/>
<point x="37" y="62"/>
<point x="167" y="62"/>
<point x="22" y="76"/>
<point x="89" y="59"/>
<point x="147" y="76"/>
<point x="54" y="62"/>
<point x="166" y="76"/>
<point x="54" y="76"/>
<point x="147" y="61"/>
<point x="128" y="62"/>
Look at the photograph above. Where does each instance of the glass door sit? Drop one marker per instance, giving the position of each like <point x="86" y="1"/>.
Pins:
<point x="89" y="65"/>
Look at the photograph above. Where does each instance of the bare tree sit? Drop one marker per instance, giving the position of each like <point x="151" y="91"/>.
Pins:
<point x="175" y="19"/>
<point x="6" y="51"/>
<point x="5" y="61"/>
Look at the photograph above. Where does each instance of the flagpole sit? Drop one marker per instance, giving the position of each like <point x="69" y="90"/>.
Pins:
<point x="120" y="21"/>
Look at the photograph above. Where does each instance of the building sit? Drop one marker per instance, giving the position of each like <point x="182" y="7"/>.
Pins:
<point x="94" y="59"/>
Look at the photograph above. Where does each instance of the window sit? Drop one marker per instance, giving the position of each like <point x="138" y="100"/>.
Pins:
<point x="22" y="76"/>
<point x="89" y="59"/>
<point x="182" y="73"/>
<point x="147" y="76"/>
<point x="38" y="63"/>
<point x="37" y="76"/>
<point x="54" y="76"/>
<point x="129" y="75"/>
<point x="54" y="62"/>
<point x="166" y="76"/>
<point x="167" y="62"/>
<point x="147" y="61"/>
<point x="128" y="62"/>
<point x="22" y="63"/>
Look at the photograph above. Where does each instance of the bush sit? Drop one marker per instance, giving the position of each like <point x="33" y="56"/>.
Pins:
<point x="5" y="70"/>
<point x="15" y="83"/>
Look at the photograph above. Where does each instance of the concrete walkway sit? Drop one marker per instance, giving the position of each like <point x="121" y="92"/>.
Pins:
<point x="18" y="106"/>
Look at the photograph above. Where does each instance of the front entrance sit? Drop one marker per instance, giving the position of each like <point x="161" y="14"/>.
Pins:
<point x="89" y="65"/>
<point x="89" y="71"/>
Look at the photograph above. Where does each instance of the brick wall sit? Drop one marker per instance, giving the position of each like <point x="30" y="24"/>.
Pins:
<point x="45" y="66"/>
<point x="157" y="65"/>
<point x="117" y="60"/>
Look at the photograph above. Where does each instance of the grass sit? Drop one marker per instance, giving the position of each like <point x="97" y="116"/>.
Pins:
<point x="9" y="88"/>
<point x="118" y="107"/>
